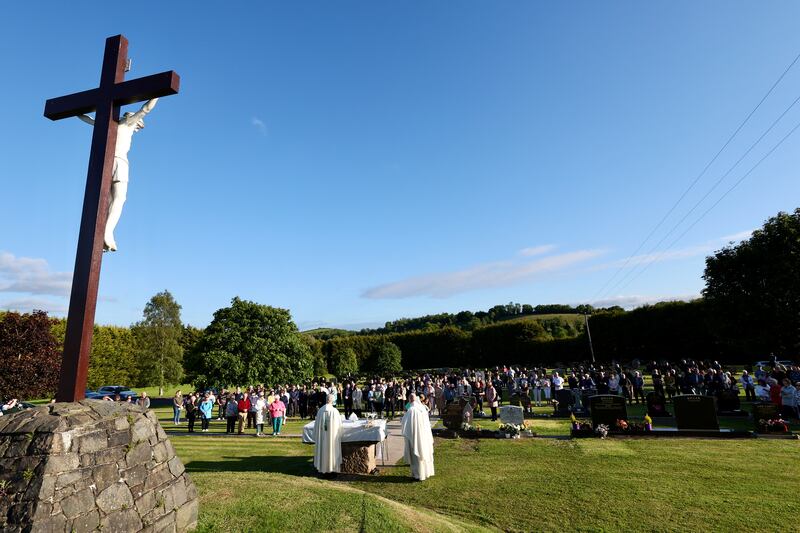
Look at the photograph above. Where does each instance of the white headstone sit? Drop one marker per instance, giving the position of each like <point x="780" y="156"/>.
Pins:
<point x="512" y="414"/>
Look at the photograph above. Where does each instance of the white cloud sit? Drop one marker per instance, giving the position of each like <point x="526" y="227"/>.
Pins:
<point x="681" y="253"/>
<point x="489" y="275"/>
<point x="537" y="250"/>
<point x="742" y="235"/>
<point x="636" y="300"/>
<point x="259" y="125"/>
<point x="32" y="276"/>
<point x="26" y="305"/>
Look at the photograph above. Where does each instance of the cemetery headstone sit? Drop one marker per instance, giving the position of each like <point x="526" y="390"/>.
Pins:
<point x="607" y="409"/>
<point x="585" y="395"/>
<point x="453" y="415"/>
<point x="565" y="401"/>
<point x="728" y="403"/>
<point x="693" y="411"/>
<point x="512" y="414"/>
<point x="764" y="411"/>
<point x="657" y="405"/>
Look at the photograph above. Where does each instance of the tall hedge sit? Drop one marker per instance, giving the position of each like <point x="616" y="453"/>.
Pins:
<point x="29" y="356"/>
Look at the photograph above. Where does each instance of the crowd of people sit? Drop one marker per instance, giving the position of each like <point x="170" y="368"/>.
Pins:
<point x="486" y="389"/>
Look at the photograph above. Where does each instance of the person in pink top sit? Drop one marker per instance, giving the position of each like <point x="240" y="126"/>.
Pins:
<point x="277" y="410"/>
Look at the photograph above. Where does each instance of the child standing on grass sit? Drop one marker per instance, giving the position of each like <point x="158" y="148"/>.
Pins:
<point x="277" y="409"/>
<point x="206" y="406"/>
<point x="261" y="406"/>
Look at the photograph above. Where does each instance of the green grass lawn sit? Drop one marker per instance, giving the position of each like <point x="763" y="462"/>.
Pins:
<point x="518" y="485"/>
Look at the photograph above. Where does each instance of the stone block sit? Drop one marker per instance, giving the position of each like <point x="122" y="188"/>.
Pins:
<point x="160" y="453"/>
<point x="116" y="497"/>
<point x="135" y="476"/>
<point x="165" y="524"/>
<point x="62" y="463"/>
<point x="157" y="476"/>
<point x="68" y="478"/>
<point x="139" y="454"/>
<point x="123" y="521"/>
<point x="81" y="502"/>
<point x="104" y="476"/>
<point x="86" y="523"/>
<point x="142" y="430"/>
<point x="118" y="438"/>
<point x="111" y="455"/>
<point x="145" y="503"/>
<point x="176" y="466"/>
<point x="186" y="517"/>
<point x="92" y="442"/>
<point x="358" y="457"/>
<point x="53" y="523"/>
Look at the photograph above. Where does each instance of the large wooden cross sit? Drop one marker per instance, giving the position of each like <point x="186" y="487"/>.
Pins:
<point x="105" y="101"/>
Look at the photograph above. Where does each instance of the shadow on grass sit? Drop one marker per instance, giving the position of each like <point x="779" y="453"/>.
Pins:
<point x="291" y="465"/>
<point x="374" y="479"/>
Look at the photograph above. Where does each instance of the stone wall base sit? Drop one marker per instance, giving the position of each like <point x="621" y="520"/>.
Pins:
<point x="91" y="466"/>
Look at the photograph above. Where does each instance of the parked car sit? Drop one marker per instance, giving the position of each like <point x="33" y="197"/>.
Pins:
<point x="768" y="364"/>
<point x="112" y="390"/>
<point x="92" y="395"/>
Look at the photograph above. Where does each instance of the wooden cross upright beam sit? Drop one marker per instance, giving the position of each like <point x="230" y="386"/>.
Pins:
<point x="105" y="101"/>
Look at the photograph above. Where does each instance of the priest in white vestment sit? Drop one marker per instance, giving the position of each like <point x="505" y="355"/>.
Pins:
<point x="416" y="430"/>
<point x="328" y="439"/>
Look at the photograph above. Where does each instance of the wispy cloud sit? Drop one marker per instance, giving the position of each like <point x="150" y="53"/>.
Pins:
<point x="32" y="276"/>
<point x="742" y="235"/>
<point x="489" y="275"/>
<point x="537" y="250"/>
<point x="636" y="300"/>
<point x="259" y="125"/>
<point x="26" y="305"/>
<point x="671" y="255"/>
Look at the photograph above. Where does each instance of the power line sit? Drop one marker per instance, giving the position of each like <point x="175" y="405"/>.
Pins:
<point x="699" y="176"/>
<point x="712" y="189"/>
<point x="726" y="193"/>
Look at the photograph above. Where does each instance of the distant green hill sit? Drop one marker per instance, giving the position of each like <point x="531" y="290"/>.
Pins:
<point x="328" y="333"/>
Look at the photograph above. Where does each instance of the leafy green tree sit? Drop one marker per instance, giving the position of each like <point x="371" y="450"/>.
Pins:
<point x="158" y="337"/>
<point x="387" y="359"/>
<point x="113" y="360"/>
<point x="249" y="343"/>
<point x="344" y="361"/>
<point x="753" y="288"/>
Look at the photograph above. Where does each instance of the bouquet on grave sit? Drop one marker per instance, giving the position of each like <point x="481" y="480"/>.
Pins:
<point x="510" y="429"/>
<point x="773" y="425"/>
<point x="601" y="430"/>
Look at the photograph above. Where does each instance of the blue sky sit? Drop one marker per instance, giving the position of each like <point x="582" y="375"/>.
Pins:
<point x="357" y="162"/>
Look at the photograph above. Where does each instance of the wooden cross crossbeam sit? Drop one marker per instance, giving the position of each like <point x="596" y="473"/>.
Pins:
<point x="105" y="101"/>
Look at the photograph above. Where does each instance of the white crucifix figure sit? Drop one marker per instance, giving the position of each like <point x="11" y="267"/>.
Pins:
<point x="129" y="124"/>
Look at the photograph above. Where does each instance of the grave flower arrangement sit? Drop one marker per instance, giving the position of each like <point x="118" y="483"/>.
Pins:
<point x="773" y="425"/>
<point x="601" y="430"/>
<point x="582" y="427"/>
<point x="511" y="430"/>
<point x="623" y="426"/>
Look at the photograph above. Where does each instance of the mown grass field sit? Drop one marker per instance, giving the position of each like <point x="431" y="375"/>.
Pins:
<point x="522" y="485"/>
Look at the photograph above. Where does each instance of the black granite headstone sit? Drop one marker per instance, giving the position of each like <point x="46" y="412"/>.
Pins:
<point x="607" y="409"/>
<point x="565" y="401"/>
<point x="585" y="395"/>
<point x="657" y="405"/>
<point x="728" y="402"/>
<point x="693" y="411"/>
<point x="764" y="411"/>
